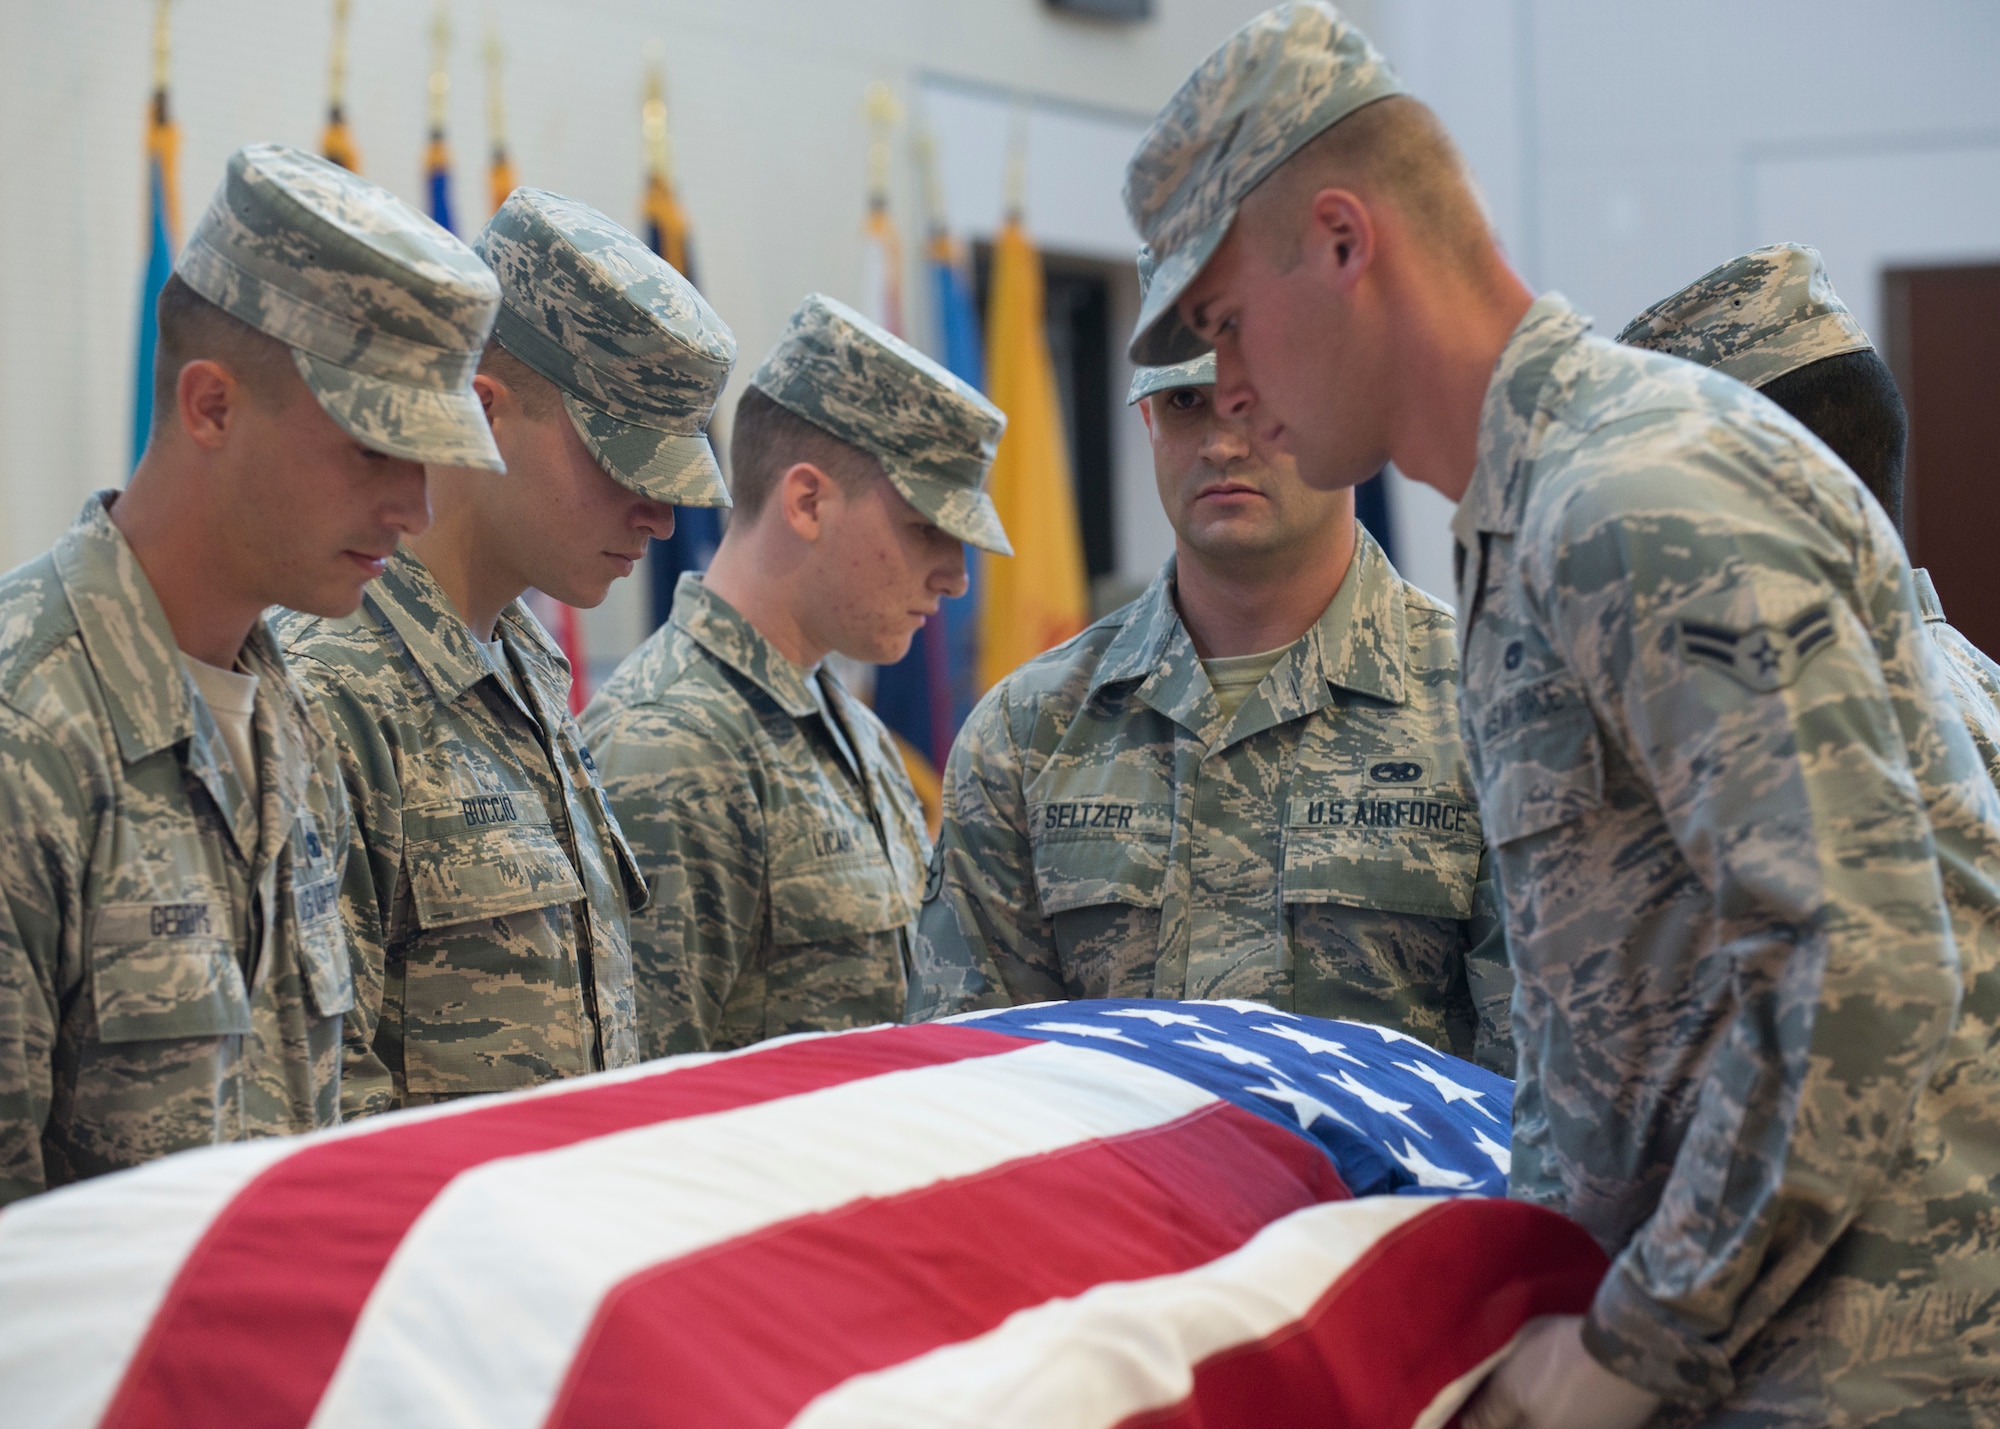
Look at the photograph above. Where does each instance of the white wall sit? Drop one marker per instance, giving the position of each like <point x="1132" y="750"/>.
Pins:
<point x="769" y="136"/>
<point x="1626" y="148"/>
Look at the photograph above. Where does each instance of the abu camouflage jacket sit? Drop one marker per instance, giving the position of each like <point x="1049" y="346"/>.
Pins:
<point x="172" y="967"/>
<point x="780" y="837"/>
<point x="1108" y="834"/>
<point x="489" y="899"/>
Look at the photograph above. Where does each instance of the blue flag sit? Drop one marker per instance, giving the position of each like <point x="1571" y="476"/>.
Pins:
<point x="159" y="266"/>
<point x="927" y="694"/>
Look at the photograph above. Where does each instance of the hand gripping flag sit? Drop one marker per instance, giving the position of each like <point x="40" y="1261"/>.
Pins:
<point x="1068" y="1216"/>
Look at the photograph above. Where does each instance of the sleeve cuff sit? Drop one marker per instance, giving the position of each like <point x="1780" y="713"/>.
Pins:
<point x="1641" y="1341"/>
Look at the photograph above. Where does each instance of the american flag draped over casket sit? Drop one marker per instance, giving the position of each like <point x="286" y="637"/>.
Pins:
<point x="1081" y="1214"/>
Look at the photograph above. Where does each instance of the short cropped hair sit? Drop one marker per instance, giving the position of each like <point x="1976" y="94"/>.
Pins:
<point x="768" y="439"/>
<point x="1398" y="147"/>
<point x="192" y="329"/>
<point x="539" y="398"/>
<point x="1850" y="402"/>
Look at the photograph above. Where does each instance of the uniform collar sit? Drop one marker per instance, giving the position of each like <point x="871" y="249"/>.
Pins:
<point x="131" y="648"/>
<point x="125" y="633"/>
<point x="1928" y="604"/>
<point x="719" y="628"/>
<point x="1511" y="416"/>
<point x="409" y="597"/>
<point x="1360" y="643"/>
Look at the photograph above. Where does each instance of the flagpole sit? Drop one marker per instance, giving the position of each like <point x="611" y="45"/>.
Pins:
<point x="501" y="179"/>
<point x="337" y="143"/>
<point x="437" y="157"/>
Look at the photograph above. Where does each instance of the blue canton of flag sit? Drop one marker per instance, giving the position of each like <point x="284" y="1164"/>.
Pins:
<point x="1396" y="1116"/>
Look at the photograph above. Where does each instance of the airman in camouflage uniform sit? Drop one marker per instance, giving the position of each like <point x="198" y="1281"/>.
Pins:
<point x="172" y="966"/>
<point x="1749" y="858"/>
<point x="1113" y="828"/>
<point x="782" y="843"/>
<point x="1766" y="315"/>
<point x="489" y="917"/>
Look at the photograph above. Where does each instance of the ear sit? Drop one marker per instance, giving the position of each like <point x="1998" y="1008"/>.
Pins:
<point x="1341" y="231"/>
<point x="1146" y="412"/>
<point x="207" y="396"/>
<point x="491" y="390"/>
<point x="806" y="495"/>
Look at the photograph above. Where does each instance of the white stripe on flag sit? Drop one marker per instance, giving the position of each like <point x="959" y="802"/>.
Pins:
<point x="83" y="1269"/>
<point x="481" y="1310"/>
<point x="1119" y="1349"/>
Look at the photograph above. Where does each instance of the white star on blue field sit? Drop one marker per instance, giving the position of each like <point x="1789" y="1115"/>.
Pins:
<point x="1395" y="1115"/>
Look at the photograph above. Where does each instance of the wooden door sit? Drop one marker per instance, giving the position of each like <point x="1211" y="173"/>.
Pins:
<point x="1944" y="347"/>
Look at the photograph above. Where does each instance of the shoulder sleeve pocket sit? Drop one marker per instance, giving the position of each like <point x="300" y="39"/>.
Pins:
<point x="165" y="970"/>
<point x="1540" y="746"/>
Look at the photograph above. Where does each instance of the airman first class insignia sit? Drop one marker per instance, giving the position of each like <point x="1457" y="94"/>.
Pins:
<point x="1763" y="657"/>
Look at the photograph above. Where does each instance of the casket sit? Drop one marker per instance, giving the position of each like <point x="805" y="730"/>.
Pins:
<point x="1070" y="1216"/>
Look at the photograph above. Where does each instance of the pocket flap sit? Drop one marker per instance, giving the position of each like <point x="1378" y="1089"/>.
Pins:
<point x="1112" y="867"/>
<point x="1418" y="854"/>
<point x="489" y="873"/>
<point x="163" y="970"/>
<point x="848" y="897"/>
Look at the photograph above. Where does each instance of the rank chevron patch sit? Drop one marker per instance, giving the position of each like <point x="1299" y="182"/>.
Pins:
<point x="1762" y="657"/>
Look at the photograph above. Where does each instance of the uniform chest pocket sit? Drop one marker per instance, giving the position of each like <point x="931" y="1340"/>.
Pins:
<point x="484" y="857"/>
<point x="836" y="887"/>
<point x="166" y="970"/>
<point x="1098" y="849"/>
<point x="1541" y="762"/>
<point x="1400" y="850"/>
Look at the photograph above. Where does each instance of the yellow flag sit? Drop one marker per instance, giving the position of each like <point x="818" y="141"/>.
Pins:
<point x="1037" y="597"/>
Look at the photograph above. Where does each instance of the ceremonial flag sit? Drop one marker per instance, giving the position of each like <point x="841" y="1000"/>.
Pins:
<point x="697" y="529"/>
<point x="163" y="145"/>
<point x="336" y="142"/>
<point x="1037" y="597"/>
<point x="1068" y="1216"/>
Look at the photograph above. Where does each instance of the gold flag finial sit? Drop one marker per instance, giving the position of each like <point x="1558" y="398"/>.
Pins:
<point x="162" y="48"/>
<point x="925" y="142"/>
<point x="337" y="142"/>
<point x="1016" y="191"/>
<point x="884" y="113"/>
<point x="440" y="80"/>
<point x="336" y="81"/>
<point x="653" y="116"/>
<point x="496" y="102"/>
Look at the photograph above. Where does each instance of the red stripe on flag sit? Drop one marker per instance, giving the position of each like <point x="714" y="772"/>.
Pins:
<point x="1426" y="1304"/>
<point x="749" y="1332"/>
<point x="261" y="1311"/>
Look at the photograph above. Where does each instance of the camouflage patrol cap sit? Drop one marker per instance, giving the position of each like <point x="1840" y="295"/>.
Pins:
<point x="934" y="435"/>
<point x="638" y="356"/>
<point x="1755" y="318"/>
<point x="1196" y="372"/>
<point x="384" y="311"/>
<point x="1280" y="81"/>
